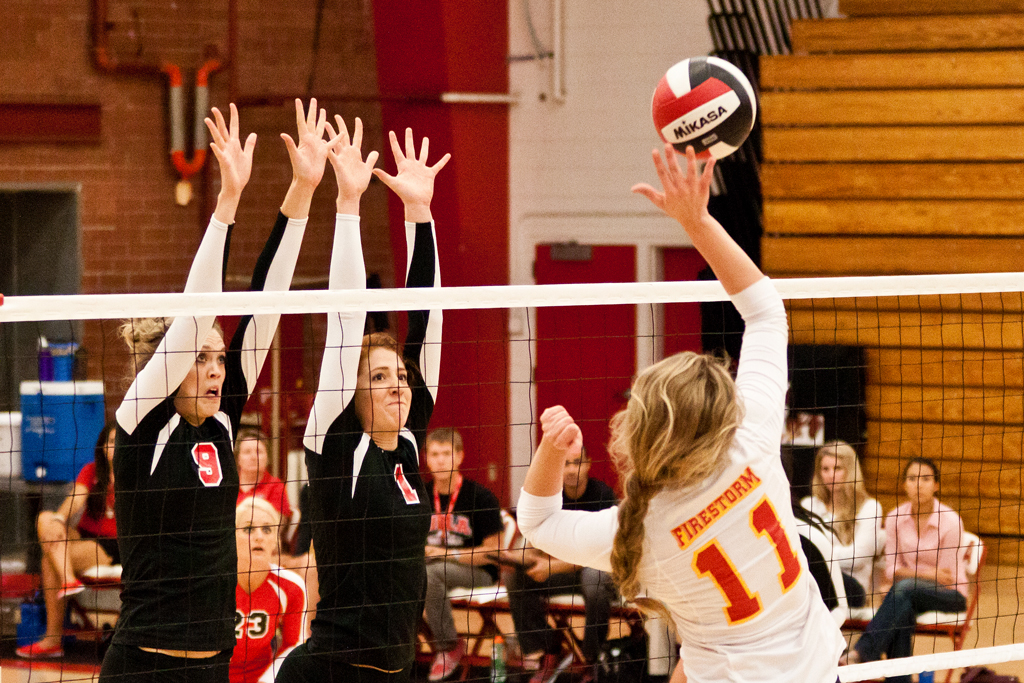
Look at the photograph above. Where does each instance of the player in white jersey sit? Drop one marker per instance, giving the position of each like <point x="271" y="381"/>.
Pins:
<point x="706" y="527"/>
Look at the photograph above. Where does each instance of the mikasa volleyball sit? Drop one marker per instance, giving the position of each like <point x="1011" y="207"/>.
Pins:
<point x="706" y="102"/>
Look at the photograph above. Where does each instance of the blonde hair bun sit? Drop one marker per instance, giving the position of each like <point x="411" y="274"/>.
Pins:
<point x="246" y="509"/>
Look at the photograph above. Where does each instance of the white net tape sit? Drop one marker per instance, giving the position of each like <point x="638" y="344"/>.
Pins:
<point x="870" y="671"/>
<point x="96" y="306"/>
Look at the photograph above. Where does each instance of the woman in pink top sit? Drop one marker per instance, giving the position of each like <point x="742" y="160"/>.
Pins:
<point x="924" y="559"/>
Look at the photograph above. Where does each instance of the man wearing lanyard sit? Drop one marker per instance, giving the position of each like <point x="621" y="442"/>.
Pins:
<point x="465" y="527"/>
<point x="542" y="575"/>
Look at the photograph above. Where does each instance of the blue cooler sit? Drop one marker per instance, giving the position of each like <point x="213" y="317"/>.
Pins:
<point x="60" y="422"/>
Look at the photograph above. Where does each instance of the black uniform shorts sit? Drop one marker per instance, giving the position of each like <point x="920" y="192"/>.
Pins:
<point x="303" y="666"/>
<point x="127" y="664"/>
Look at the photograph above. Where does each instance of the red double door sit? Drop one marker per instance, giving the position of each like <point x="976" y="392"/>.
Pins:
<point x="586" y="355"/>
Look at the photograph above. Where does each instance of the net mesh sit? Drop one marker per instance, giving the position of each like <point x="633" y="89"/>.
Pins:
<point x="899" y="367"/>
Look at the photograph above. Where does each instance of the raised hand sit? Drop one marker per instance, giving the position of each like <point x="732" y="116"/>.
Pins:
<point x="235" y="160"/>
<point x="685" y="196"/>
<point x="414" y="182"/>
<point x="352" y="172"/>
<point x="561" y="433"/>
<point x="309" y="156"/>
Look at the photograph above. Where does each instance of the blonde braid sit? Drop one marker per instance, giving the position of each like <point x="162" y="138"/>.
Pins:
<point x="628" y="547"/>
<point x="673" y="434"/>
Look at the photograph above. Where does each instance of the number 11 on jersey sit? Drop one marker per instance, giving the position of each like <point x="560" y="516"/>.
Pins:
<point x="711" y="561"/>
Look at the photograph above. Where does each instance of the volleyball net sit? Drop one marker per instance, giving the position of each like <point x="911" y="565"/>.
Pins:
<point x="899" y="367"/>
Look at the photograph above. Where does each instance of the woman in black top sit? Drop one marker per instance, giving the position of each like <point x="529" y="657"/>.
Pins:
<point x="175" y="476"/>
<point x="370" y="514"/>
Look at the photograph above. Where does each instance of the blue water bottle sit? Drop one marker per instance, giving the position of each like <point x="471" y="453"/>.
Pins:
<point x="926" y="677"/>
<point x="45" y="361"/>
<point x="32" y="626"/>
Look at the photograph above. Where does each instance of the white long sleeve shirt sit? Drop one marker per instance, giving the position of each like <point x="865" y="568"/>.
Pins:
<point x="857" y="558"/>
<point x="724" y="559"/>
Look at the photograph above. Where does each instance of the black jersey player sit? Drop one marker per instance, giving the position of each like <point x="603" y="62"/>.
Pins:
<point x="175" y="473"/>
<point x="370" y="514"/>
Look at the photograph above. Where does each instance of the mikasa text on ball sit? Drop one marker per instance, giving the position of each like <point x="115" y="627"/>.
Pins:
<point x="706" y="102"/>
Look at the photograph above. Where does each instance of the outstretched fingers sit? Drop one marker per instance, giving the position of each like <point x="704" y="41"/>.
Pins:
<point x="396" y="149"/>
<point x="371" y="158"/>
<point x="657" y="198"/>
<point x="663" y="167"/>
<point x="410" y="144"/>
<point x="289" y="144"/>
<point x="233" y="129"/>
<point x="424" y="146"/>
<point x="357" y="135"/>
<point x="674" y="170"/>
<point x="218" y="129"/>
<point x="709" y="173"/>
<point x="321" y="123"/>
<point x="334" y="138"/>
<point x="300" y="115"/>
<point x="441" y="163"/>
<point x="234" y="158"/>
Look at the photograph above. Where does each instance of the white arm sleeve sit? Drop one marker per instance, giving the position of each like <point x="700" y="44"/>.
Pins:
<point x="340" y="366"/>
<point x="762" y="378"/>
<point x="181" y="343"/>
<point x="262" y="328"/>
<point x="583" y="538"/>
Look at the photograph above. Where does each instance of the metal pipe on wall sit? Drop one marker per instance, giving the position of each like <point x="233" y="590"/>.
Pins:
<point x="558" y="51"/>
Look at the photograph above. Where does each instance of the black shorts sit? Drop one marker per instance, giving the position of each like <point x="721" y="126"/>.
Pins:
<point x="126" y="664"/>
<point x="303" y="666"/>
<point x="108" y="544"/>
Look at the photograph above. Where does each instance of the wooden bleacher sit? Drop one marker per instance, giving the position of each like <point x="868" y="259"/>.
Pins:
<point x="893" y="142"/>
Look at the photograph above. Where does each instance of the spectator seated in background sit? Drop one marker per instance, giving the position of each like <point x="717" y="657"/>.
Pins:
<point x="543" y="575"/>
<point x="251" y="454"/>
<point x="924" y="561"/>
<point x="842" y="502"/>
<point x="268" y="599"/>
<point x="70" y="548"/>
<point x="466" y="526"/>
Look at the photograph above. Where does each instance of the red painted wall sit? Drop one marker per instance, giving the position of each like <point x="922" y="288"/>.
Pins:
<point x="424" y="49"/>
<point x="586" y="355"/>
<point x="682" y="321"/>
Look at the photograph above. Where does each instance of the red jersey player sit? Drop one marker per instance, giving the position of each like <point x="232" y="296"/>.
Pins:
<point x="268" y="598"/>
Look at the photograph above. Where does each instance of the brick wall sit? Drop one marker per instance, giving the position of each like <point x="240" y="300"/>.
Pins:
<point x="134" y="237"/>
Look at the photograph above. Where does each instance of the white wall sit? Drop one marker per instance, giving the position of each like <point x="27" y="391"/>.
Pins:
<point x="574" y="155"/>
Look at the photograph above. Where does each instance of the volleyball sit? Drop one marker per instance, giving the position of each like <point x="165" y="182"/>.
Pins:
<point x="705" y="102"/>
